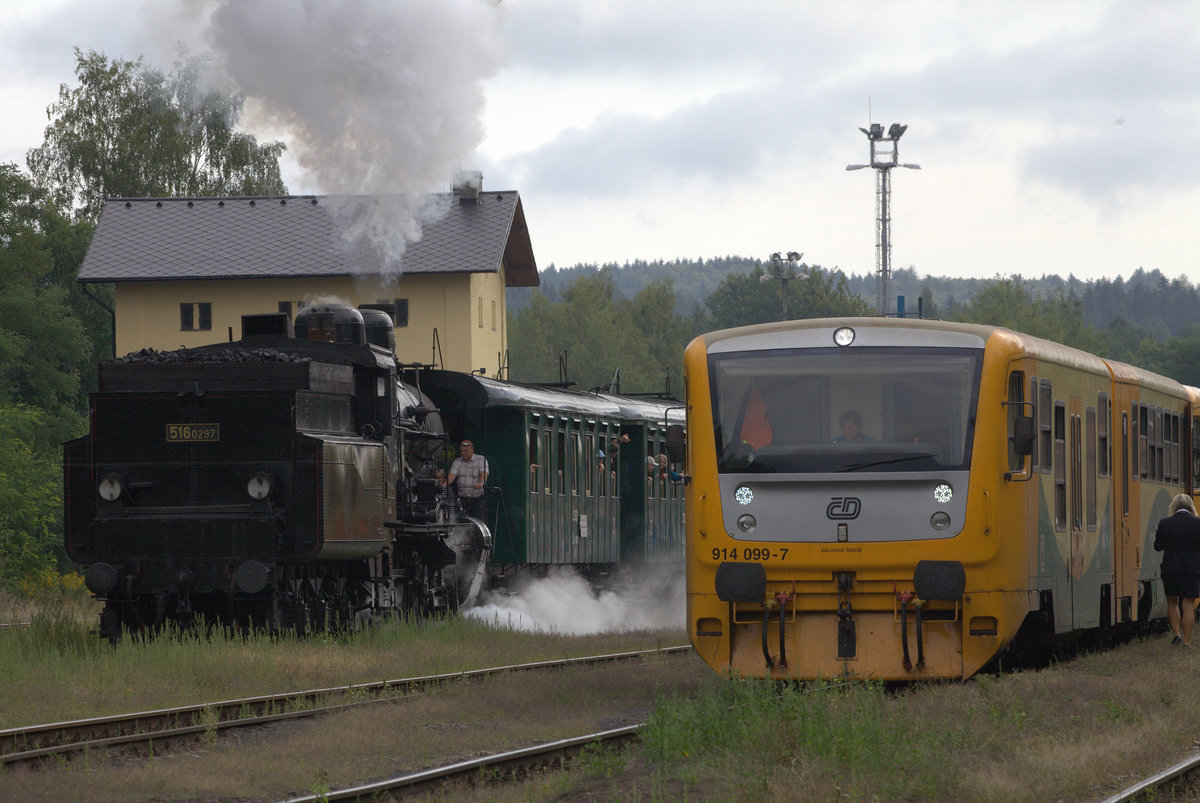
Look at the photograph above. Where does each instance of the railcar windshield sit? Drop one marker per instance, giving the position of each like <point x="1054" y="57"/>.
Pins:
<point x="844" y="410"/>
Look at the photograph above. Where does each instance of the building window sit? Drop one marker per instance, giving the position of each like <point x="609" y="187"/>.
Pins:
<point x="493" y="314"/>
<point x="195" y="317"/>
<point x="400" y="318"/>
<point x="480" y="312"/>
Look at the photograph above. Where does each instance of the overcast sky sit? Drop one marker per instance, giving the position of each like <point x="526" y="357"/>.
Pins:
<point x="1053" y="137"/>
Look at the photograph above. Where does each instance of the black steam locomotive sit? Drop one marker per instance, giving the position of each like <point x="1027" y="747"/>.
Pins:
<point x="280" y="481"/>
<point x="285" y="481"/>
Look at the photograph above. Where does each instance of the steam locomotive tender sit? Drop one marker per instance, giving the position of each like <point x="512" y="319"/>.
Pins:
<point x="270" y="482"/>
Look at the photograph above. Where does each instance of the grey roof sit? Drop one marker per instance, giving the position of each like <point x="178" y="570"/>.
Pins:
<point x="164" y="239"/>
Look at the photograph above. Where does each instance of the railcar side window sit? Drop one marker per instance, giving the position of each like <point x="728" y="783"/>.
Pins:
<point x="1060" y="466"/>
<point x="1156" y="443"/>
<point x="1131" y="440"/>
<point x="1016" y="395"/>
<point x="1145" y="432"/>
<point x="1168" y="447"/>
<point x="1090" y="450"/>
<point x="1033" y="411"/>
<point x="1045" y="411"/>
<point x="1195" y="452"/>
<point x="1103" y="444"/>
<point x="1076" y="474"/>
<point x="1125" y="463"/>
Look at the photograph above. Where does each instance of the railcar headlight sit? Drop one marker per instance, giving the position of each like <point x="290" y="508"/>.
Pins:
<point x="940" y="520"/>
<point x="943" y="493"/>
<point x="259" y="486"/>
<point x="111" y="488"/>
<point x="843" y="335"/>
<point x="746" y="523"/>
<point x="743" y="495"/>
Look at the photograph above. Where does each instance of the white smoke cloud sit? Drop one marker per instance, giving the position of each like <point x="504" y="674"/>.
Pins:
<point x="564" y="602"/>
<point x="371" y="98"/>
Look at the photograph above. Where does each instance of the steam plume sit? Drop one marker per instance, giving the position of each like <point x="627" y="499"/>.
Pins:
<point x="377" y="98"/>
<point x="564" y="602"/>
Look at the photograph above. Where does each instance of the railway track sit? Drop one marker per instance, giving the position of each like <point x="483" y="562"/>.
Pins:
<point x="506" y="767"/>
<point x="36" y="744"/>
<point x="1179" y="782"/>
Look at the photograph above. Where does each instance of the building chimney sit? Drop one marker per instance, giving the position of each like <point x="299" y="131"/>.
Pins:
<point x="467" y="185"/>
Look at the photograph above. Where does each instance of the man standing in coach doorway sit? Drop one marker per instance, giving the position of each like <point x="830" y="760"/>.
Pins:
<point x="468" y="474"/>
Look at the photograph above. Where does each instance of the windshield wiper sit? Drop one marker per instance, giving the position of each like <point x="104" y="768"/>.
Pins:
<point x="889" y="460"/>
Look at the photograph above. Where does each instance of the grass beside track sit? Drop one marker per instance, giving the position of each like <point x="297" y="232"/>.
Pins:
<point x="56" y="670"/>
<point x="1076" y="731"/>
<point x="1081" y="730"/>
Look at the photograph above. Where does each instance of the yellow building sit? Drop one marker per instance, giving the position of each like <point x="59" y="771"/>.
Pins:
<point x="186" y="270"/>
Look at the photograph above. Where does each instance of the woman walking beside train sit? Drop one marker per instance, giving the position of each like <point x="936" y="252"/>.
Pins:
<point x="1178" y="538"/>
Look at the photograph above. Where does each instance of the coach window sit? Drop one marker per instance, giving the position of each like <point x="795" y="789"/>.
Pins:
<point x="1045" y="410"/>
<point x="576" y="456"/>
<point x="1060" y="466"/>
<point x="589" y="460"/>
<point x="1090" y="451"/>
<point x="560" y="451"/>
<point x="544" y="453"/>
<point x="534" y="465"/>
<point x="650" y="472"/>
<point x="1103" y="443"/>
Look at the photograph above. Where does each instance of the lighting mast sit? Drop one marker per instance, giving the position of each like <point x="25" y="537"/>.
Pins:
<point x="885" y="154"/>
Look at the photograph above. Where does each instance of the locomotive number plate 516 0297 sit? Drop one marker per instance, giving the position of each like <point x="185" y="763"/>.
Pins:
<point x="190" y="433"/>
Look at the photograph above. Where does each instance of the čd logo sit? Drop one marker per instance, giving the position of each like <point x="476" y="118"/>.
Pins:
<point x="843" y="507"/>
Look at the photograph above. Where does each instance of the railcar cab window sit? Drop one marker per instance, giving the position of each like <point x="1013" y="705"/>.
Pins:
<point x="195" y="317"/>
<point x="779" y="411"/>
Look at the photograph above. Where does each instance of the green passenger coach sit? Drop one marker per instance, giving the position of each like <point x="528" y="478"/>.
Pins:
<point x="570" y="476"/>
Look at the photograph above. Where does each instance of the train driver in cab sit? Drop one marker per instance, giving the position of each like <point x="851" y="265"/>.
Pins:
<point x="851" y="424"/>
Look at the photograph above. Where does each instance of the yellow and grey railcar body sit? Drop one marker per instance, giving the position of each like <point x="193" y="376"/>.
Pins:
<point x="1003" y="497"/>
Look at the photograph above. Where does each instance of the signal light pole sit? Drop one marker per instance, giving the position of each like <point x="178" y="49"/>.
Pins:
<point x="885" y="154"/>
<point x="784" y="275"/>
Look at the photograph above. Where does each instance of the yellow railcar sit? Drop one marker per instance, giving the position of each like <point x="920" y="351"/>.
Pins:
<point x="903" y="499"/>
